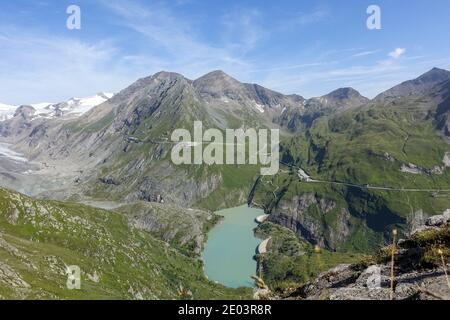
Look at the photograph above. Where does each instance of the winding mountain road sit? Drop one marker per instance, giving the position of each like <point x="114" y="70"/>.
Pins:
<point x="308" y="179"/>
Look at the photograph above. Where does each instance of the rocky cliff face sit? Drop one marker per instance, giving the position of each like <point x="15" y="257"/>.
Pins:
<point x="305" y="215"/>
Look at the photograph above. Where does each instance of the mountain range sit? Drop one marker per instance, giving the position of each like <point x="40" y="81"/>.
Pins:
<point x="376" y="165"/>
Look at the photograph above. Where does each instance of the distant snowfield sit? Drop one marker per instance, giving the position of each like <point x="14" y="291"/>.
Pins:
<point x="6" y="111"/>
<point x="83" y="105"/>
<point x="49" y="110"/>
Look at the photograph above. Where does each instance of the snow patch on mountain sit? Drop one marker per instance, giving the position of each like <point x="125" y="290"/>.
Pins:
<point x="259" y="107"/>
<point x="49" y="110"/>
<point x="6" y="111"/>
<point x="81" y="106"/>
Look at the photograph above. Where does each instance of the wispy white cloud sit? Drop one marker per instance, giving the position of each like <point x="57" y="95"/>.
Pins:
<point x="186" y="52"/>
<point x="397" y="53"/>
<point x="306" y="18"/>
<point x="38" y="68"/>
<point x="312" y="17"/>
<point x="299" y="21"/>
<point x="365" y="53"/>
<point x="292" y="67"/>
<point x="370" y="79"/>
<point x="242" y="30"/>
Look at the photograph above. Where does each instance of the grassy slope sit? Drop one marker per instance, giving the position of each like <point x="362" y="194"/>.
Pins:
<point x="39" y="238"/>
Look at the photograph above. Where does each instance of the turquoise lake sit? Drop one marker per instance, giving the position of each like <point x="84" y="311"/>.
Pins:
<point x="230" y="248"/>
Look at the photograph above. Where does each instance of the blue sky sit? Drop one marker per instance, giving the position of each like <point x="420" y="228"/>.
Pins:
<point x="304" y="47"/>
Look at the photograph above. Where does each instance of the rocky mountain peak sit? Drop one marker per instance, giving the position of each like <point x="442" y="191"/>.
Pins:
<point x="345" y="93"/>
<point x="417" y="86"/>
<point x="216" y="81"/>
<point x="222" y="89"/>
<point x="218" y="85"/>
<point x="341" y="98"/>
<point x="143" y="85"/>
<point x="435" y="75"/>
<point x="164" y="75"/>
<point x="217" y="75"/>
<point x="25" y="111"/>
<point x="165" y="79"/>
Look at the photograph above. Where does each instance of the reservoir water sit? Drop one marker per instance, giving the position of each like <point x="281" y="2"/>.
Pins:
<point x="230" y="248"/>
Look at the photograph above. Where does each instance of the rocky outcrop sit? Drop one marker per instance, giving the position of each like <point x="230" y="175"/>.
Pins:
<point x="447" y="159"/>
<point x="11" y="279"/>
<point x="109" y="181"/>
<point x="346" y="282"/>
<point x="433" y="223"/>
<point x="414" y="169"/>
<point x="342" y="229"/>
<point x="418" y="270"/>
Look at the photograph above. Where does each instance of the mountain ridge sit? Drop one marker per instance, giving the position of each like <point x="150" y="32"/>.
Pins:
<point x="73" y="106"/>
<point x="150" y="109"/>
<point x="416" y="86"/>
